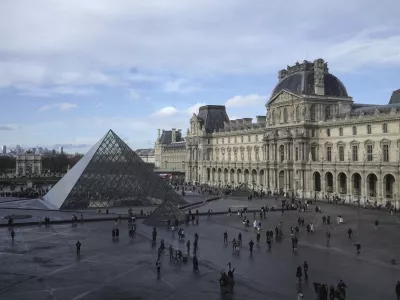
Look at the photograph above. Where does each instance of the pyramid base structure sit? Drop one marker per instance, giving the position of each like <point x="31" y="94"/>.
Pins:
<point x="241" y="191"/>
<point x="166" y="211"/>
<point x="110" y="174"/>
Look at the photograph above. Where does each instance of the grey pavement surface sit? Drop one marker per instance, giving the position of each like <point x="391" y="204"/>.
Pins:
<point x="42" y="264"/>
<point x="36" y="209"/>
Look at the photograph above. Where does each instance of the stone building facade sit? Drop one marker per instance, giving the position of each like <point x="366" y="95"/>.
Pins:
<point x="28" y="164"/>
<point x="314" y="141"/>
<point x="170" y="151"/>
<point x="147" y="155"/>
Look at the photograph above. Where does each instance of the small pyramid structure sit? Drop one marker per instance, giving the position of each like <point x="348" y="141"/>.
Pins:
<point x="110" y="174"/>
<point x="166" y="211"/>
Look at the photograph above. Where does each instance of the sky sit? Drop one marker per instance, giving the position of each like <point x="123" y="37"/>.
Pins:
<point x="70" y="70"/>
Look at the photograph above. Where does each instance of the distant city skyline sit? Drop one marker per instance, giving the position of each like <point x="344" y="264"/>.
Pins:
<point x="104" y="64"/>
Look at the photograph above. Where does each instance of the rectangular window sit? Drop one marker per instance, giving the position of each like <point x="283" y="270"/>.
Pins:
<point x="369" y="130"/>
<point x="329" y="153"/>
<point x="340" y="131"/>
<point x="208" y="141"/>
<point x="314" y="153"/>
<point x="369" y="152"/>
<point x="296" y="151"/>
<point x="223" y="140"/>
<point x="312" y="132"/>
<point x="355" y="153"/>
<point x="341" y="153"/>
<point x="385" y="151"/>
<point x="328" y="132"/>
<point x="249" y="138"/>
<point x="235" y="139"/>
<point x="256" y="138"/>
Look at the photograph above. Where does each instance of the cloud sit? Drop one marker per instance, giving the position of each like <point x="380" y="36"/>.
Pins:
<point x="245" y="101"/>
<point x="194" y="109"/>
<point x="97" y="43"/>
<point x="5" y="127"/>
<point x="180" y="86"/>
<point x="60" y="106"/>
<point x="168" y="111"/>
<point x="133" y="94"/>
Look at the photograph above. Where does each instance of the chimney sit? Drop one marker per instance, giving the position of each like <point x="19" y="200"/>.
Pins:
<point x="173" y="140"/>
<point x="319" y="72"/>
<point x="261" y="119"/>
<point x="247" y="120"/>
<point x="159" y="133"/>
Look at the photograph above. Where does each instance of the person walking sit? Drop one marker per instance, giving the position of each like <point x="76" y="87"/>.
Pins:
<point x="12" y="235"/>
<point x="299" y="273"/>
<point x="158" y="266"/>
<point x="305" y="268"/>
<point x="78" y="248"/>
<point x="398" y="290"/>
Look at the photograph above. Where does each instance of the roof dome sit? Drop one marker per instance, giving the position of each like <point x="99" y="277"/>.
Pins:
<point x="299" y="79"/>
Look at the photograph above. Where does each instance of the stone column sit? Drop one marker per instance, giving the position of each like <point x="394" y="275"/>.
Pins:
<point x="349" y="189"/>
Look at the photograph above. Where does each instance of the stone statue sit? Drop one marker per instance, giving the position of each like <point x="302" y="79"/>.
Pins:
<point x="379" y="156"/>
<point x="303" y="111"/>
<point x="309" y="156"/>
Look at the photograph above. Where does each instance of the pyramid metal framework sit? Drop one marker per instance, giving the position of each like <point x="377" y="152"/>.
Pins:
<point x="110" y="174"/>
<point x="166" y="211"/>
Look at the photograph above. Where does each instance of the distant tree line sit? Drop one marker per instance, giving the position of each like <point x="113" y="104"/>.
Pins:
<point x="58" y="163"/>
<point x="7" y="164"/>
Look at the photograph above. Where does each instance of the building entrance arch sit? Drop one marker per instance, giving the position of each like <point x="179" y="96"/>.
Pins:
<point x="372" y="180"/>
<point x="356" y="184"/>
<point x="246" y="176"/>
<point x="389" y="186"/>
<point x="342" y="183"/>
<point x="317" y="181"/>
<point x="329" y="182"/>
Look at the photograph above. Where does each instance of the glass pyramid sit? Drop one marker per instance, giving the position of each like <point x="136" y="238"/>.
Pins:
<point x="166" y="211"/>
<point x="110" y="174"/>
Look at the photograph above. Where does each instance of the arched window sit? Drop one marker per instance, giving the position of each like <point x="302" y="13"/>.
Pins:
<point x="282" y="153"/>
<point x="384" y="128"/>
<point x="312" y="112"/>
<point x="285" y="115"/>
<point x="297" y="113"/>
<point x="354" y="130"/>
<point x="327" y="112"/>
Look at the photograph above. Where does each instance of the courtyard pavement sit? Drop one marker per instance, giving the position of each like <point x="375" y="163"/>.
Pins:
<point x="42" y="264"/>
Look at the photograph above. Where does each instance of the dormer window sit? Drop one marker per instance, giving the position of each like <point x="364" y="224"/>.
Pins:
<point x="384" y="128"/>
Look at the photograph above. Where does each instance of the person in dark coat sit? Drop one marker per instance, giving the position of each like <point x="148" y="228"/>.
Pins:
<point x="299" y="273"/>
<point x="305" y="268"/>
<point x="78" y="247"/>
<point x="323" y="292"/>
<point x="332" y="292"/>
<point x="398" y="290"/>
